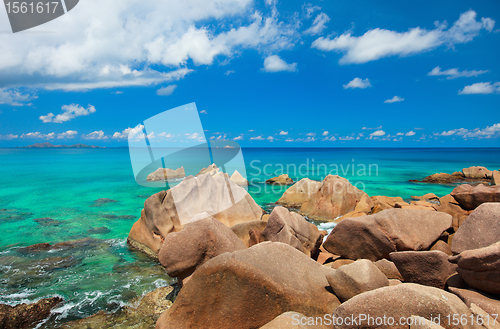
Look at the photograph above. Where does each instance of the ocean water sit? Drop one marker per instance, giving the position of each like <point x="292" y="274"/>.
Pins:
<point x="51" y="195"/>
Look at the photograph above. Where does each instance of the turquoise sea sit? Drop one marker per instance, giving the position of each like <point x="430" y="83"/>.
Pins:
<point x="49" y="195"/>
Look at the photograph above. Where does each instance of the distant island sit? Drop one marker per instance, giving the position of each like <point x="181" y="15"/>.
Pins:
<point x="50" y="145"/>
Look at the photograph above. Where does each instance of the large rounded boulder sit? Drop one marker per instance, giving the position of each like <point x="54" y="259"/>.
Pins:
<point x="480" y="229"/>
<point x="375" y="236"/>
<point x="397" y="304"/>
<point x="470" y="197"/>
<point x="168" y="211"/>
<point x="335" y="197"/>
<point x="299" y="193"/>
<point x="249" y="288"/>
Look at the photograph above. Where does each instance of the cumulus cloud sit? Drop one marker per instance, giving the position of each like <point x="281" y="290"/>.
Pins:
<point x="376" y="128"/>
<point x="455" y="73"/>
<point x="481" y="88"/>
<point x="203" y="112"/>
<point x="488" y="132"/>
<point x="228" y="72"/>
<point x="377" y="133"/>
<point x="96" y="135"/>
<point x="275" y="64"/>
<point x="394" y="100"/>
<point x="69" y="112"/>
<point x="283" y="133"/>
<point x="124" y="40"/>
<point x="410" y="133"/>
<point x="270" y="138"/>
<point x="15" y="97"/>
<point x="9" y="136"/>
<point x="346" y="138"/>
<point x="318" y="25"/>
<point x="238" y="138"/>
<point x="166" y="91"/>
<point x="38" y="135"/>
<point x="67" y="134"/>
<point x="379" y="43"/>
<point x="358" y="83"/>
<point x="308" y="9"/>
<point x="333" y="138"/>
<point x="325" y="133"/>
<point x="257" y="138"/>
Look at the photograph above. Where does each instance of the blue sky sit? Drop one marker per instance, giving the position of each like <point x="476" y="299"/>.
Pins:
<point x="263" y="73"/>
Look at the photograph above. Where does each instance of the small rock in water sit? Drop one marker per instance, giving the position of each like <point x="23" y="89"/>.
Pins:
<point x="99" y="230"/>
<point x="27" y="315"/>
<point x="111" y="216"/>
<point x="102" y="201"/>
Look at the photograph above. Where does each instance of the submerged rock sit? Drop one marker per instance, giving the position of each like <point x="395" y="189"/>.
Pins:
<point x="26" y="315"/>
<point x="249" y="288"/>
<point x="102" y="201"/>
<point x="142" y="316"/>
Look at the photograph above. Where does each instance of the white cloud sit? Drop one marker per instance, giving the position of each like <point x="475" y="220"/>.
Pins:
<point x="379" y="43"/>
<point x="251" y="130"/>
<point x="455" y="73"/>
<point x="309" y="139"/>
<point x="481" y="88"/>
<point x="333" y="138"/>
<point x="69" y="112"/>
<point x="488" y="132"/>
<point x="325" y="133"/>
<point x="311" y="134"/>
<point x="123" y="39"/>
<point x="258" y="138"/>
<point x="228" y="72"/>
<point x="238" y="138"/>
<point x="67" y="134"/>
<point x="203" y="112"/>
<point x="275" y="64"/>
<point x="166" y="91"/>
<point x="9" y="136"/>
<point x="346" y="138"/>
<point x="283" y="133"/>
<point x="309" y="9"/>
<point x="394" y="100"/>
<point x="358" y="83"/>
<point x="410" y="133"/>
<point x="270" y="138"/>
<point x="365" y="128"/>
<point x="318" y="25"/>
<point x="15" y="97"/>
<point x="377" y="133"/>
<point x="98" y="135"/>
<point x="38" y="135"/>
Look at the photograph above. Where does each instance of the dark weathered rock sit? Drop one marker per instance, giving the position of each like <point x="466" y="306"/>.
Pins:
<point x="480" y="229"/>
<point x="249" y="288"/>
<point x="26" y="315"/>
<point x="291" y="228"/>
<point x="356" y="278"/>
<point x="335" y="197"/>
<point x="442" y="246"/>
<point x="385" y="232"/>
<point x="184" y="251"/>
<point x="403" y="301"/>
<point x="470" y="197"/>
<point x="480" y="268"/>
<point x="428" y="268"/>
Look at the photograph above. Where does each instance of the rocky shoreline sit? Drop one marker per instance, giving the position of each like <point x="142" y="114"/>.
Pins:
<point x="472" y="175"/>
<point x="239" y="267"/>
